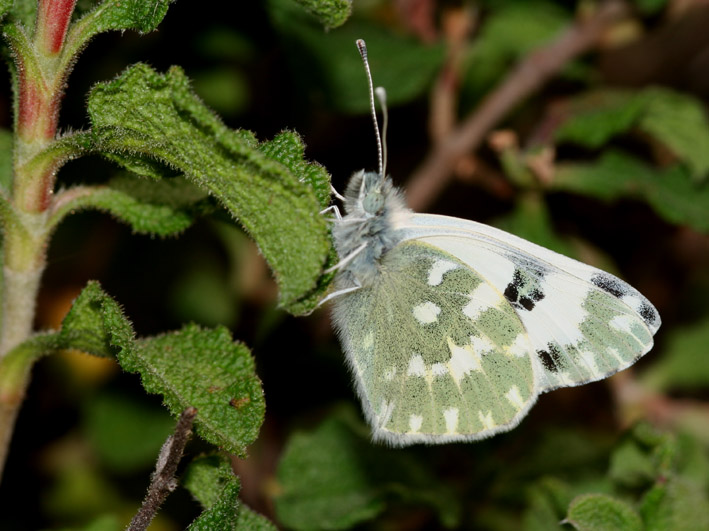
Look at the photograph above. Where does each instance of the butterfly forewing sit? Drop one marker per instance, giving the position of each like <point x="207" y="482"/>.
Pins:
<point x="438" y="352"/>
<point x="583" y="324"/>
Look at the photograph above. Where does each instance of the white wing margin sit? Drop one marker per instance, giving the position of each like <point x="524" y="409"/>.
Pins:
<point x="584" y="324"/>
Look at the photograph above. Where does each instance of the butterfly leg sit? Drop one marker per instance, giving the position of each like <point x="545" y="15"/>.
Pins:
<point x="347" y="259"/>
<point x="338" y="293"/>
<point x="336" y="193"/>
<point x="334" y="210"/>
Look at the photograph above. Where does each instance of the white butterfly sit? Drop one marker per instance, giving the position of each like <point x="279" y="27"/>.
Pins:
<point x="453" y="328"/>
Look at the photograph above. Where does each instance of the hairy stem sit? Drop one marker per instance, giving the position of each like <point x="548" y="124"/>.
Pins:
<point x="40" y="85"/>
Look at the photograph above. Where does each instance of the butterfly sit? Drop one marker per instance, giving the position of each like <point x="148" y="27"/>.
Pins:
<point x="453" y="328"/>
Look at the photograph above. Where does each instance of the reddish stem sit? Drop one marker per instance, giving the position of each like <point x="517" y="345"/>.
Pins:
<point x="53" y="17"/>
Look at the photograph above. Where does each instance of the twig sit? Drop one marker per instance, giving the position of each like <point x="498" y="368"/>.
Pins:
<point x="435" y="171"/>
<point x="163" y="480"/>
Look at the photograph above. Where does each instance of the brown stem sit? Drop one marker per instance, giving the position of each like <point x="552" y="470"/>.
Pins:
<point x="163" y="480"/>
<point x="435" y="171"/>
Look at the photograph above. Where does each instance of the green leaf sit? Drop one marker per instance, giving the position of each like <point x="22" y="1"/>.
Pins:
<point x="676" y="503"/>
<point x="676" y="120"/>
<point x="597" y="116"/>
<point x="679" y="121"/>
<point x="207" y="476"/>
<point x="510" y="32"/>
<point x="96" y="325"/>
<point x="161" y="208"/>
<point x="142" y="16"/>
<point x="334" y="478"/>
<point x="250" y="520"/>
<point x="331" y="13"/>
<point x="404" y="66"/>
<point x="211" y="481"/>
<point x="208" y="370"/>
<point x="684" y="363"/>
<point x="221" y="515"/>
<point x="125" y="433"/>
<point x="195" y="367"/>
<point x="144" y="113"/>
<point x="631" y="466"/>
<point x="668" y="191"/>
<point x="599" y="512"/>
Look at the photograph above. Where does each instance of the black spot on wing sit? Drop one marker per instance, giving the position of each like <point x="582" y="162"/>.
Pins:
<point x="550" y="358"/>
<point x="648" y="313"/>
<point x="519" y="301"/>
<point x="610" y="285"/>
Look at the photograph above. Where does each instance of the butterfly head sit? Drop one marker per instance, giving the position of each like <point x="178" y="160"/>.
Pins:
<point x="366" y="194"/>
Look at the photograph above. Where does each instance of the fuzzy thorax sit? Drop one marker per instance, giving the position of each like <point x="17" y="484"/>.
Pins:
<point x="374" y="209"/>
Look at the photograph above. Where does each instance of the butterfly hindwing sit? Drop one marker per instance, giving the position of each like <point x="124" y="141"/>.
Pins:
<point x="439" y="353"/>
<point x="583" y="324"/>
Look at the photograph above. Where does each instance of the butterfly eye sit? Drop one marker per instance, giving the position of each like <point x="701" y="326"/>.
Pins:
<point x="373" y="202"/>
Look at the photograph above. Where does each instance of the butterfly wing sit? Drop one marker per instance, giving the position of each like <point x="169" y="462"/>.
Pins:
<point x="583" y="324"/>
<point x="437" y="351"/>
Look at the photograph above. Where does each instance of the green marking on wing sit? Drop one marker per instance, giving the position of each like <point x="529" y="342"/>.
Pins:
<point x="614" y="337"/>
<point x="434" y="360"/>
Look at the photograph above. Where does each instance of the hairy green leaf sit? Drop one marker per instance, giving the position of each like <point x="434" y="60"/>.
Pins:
<point x="208" y="370"/>
<point x="221" y="515"/>
<point x="147" y="114"/>
<point x="669" y="191"/>
<point x="162" y="208"/>
<point x="207" y="476"/>
<point x="195" y="367"/>
<point x="139" y="15"/>
<point x="403" y="65"/>
<point x="335" y="478"/>
<point x="331" y="13"/>
<point x="96" y="325"/>
<point x="599" y="512"/>
<point x="211" y="481"/>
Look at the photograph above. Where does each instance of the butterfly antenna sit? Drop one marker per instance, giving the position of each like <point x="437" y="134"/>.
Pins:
<point x="382" y="97"/>
<point x="362" y="47"/>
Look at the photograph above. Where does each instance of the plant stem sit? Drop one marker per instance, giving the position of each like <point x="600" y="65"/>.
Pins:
<point x="41" y="74"/>
<point x="163" y="481"/>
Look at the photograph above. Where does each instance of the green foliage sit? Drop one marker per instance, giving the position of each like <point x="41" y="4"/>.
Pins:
<point x="331" y="13"/>
<point x="402" y="65"/>
<point x="676" y="120"/>
<point x="125" y="433"/>
<point x="334" y="478"/>
<point x="212" y="483"/>
<point x="96" y="325"/>
<point x="684" y="365"/>
<point x="511" y="31"/>
<point x="596" y="512"/>
<point x="144" y="113"/>
<point x="191" y="367"/>
<point x="670" y="192"/>
<point x="163" y="208"/>
<point x="207" y="370"/>
<point x="139" y="15"/>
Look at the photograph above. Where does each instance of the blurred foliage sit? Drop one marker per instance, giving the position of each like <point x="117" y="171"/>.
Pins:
<point x="625" y="187"/>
